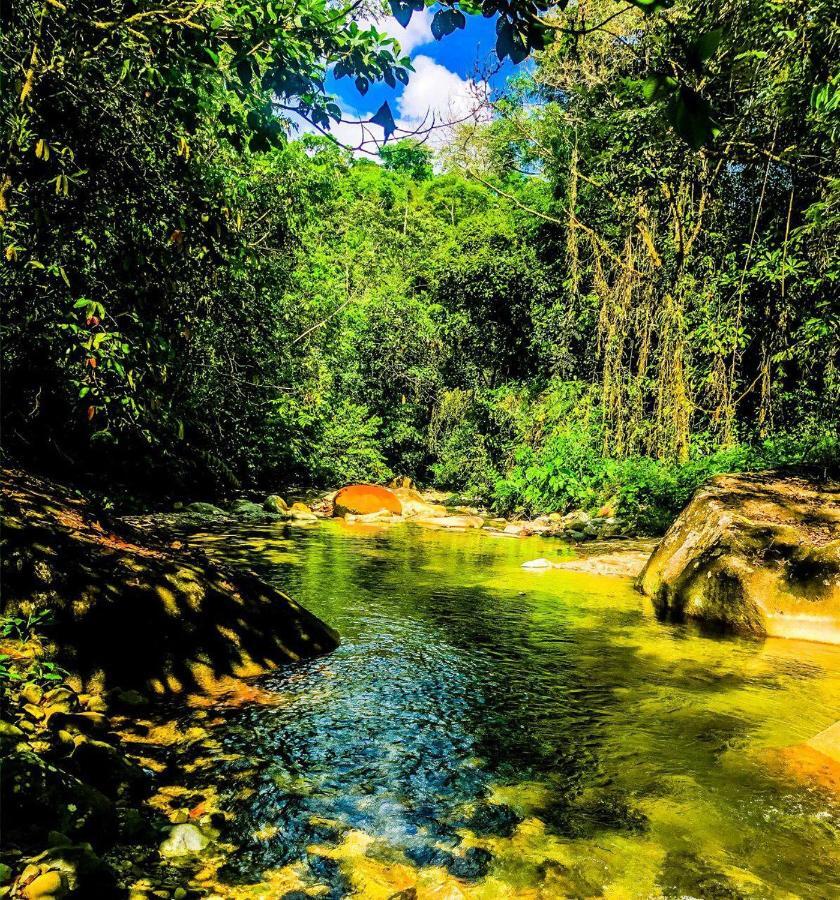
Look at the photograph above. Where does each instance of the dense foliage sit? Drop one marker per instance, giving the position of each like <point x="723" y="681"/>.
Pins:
<point x="623" y="279"/>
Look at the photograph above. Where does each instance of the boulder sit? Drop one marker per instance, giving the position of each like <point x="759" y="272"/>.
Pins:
<point x="517" y="530"/>
<point x="576" y="519"/>
<point x="127" y="612"/>
<point x="302" y="513"/>
<point x="382" y="517"/>
<point x="623" y="564"/>
<point x="275" y="504"/>
<point x="756" y="554"/>
<point x="250" y="512"/>
<point x="414" y="504"/>
<point x="361" y="499"/>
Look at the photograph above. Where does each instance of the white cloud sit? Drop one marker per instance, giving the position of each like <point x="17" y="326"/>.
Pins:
<point x="433" y="90"/>
<point x="434" y="95"/>
<point x="418" y="32"/>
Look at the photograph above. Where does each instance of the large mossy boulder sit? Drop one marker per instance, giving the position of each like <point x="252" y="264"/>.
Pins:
<point x="362" y="499"/>
<point x="756" y="554"/>
<point x="127" y="611"/>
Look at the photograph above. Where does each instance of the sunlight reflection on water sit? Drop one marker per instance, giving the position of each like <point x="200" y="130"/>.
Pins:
<point x="506" y="733"/>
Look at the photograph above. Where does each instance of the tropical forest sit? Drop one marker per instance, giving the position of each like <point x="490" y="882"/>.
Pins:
<point x="420" y="449"/>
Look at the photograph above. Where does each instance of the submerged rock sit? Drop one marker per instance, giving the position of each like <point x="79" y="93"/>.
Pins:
<point x="624" y="564"/>
<point x="450" y="521"/>
<point x="757" y="554"/>
<point x="362" y="499"/>
<point x="184" y="840"/>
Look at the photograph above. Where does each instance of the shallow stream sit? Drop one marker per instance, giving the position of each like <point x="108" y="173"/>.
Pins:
<point x="488" y="731"/>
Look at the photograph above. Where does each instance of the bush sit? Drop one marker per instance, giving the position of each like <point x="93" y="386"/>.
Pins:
<point x="347" y="448"/>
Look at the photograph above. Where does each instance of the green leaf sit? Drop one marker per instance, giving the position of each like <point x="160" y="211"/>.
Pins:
<point x="385" y="119"/>
<point x="446" y="21"/>
<point x="692" y="119"/>
<point x="708" y="43"/>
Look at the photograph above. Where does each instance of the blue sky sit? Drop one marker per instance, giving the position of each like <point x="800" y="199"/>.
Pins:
<point x="449" y="73"/>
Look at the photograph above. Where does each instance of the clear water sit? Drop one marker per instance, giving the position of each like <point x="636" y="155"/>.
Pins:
<point x="489" y="731"/>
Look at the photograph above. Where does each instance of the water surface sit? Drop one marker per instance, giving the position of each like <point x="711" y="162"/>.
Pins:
<point x="489" y="731"/>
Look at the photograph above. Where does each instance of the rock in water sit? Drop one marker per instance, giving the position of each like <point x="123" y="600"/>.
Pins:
<point x="756" y="554"/>
<point x="450" y="521"/>
<point x="540" y="563"/>
<point x="127" y="612"/>
<point x="413" y="504"/>
<point x="361" y="499"/>
<point x="183" y="840"/>
<point x="276" y="504"/>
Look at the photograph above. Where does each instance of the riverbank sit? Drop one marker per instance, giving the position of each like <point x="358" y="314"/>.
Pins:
<point x="100" y="621"/>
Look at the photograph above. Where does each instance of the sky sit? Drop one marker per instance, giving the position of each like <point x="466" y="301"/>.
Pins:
<point x="448" y="75"/>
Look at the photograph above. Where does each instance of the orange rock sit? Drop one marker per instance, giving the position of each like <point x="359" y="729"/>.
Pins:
<point x="361" y="499"/>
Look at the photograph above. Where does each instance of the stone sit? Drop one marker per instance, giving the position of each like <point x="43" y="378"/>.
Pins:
<point x="540" y="563"/>
<point x="516" y="530"/>
<point x="10" y="737"/>
<point x="183" y="840"/>
<point x="251" y="512"/>
<point x="133" y="613"/>
<point x="82" y="872"/>
<point x="49" y="884"/>
<point x="99" y="764"/>
<point x="401" y="482"/>
<point x="361" y="499"/>
<point x="383" y="517"/>
<point x="754" y="554"/>
<point x="576" y="519"/>
<point x="276" y="504"/>
<point x="450" y="521"/>
<point x="31" y="693"/>
<point x="623" y="564"/>
<point x="302" y="513"/>
<point x="414" y="504"/>
<point x="46" y="799"/>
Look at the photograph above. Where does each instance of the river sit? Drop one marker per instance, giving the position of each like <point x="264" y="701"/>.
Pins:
<point x="488" y="731"/>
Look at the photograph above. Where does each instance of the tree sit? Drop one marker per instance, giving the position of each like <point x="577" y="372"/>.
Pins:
<point x="409" y="157"/>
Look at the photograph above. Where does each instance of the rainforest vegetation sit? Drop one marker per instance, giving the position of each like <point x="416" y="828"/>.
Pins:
<point x="619" y="276"/>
